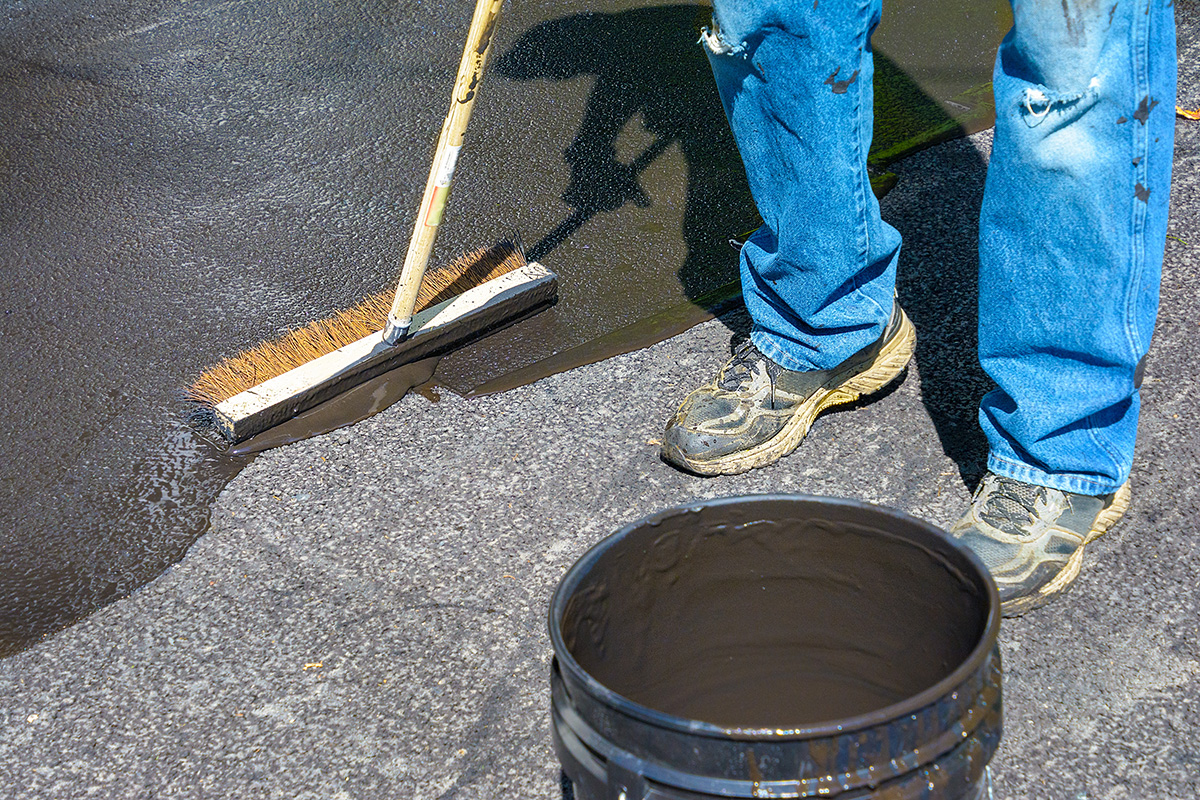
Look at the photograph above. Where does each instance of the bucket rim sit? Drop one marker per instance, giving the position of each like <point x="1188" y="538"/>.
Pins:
<point x="974" y="661"/>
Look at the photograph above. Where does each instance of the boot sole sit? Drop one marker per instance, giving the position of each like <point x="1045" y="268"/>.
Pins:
<point x="888" y="365"/>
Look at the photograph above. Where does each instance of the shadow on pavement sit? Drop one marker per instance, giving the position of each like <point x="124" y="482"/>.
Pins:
<point x="642" y="72"/>
<point x="938" y="287"/>
<point x="665" y="81"/>
<point x="201" y="183"/>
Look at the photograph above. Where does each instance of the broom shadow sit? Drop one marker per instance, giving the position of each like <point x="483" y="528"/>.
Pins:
<point x="565" y="229"/>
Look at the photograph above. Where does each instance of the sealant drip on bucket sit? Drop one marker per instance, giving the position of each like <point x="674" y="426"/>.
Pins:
<point x="776" y="647"/>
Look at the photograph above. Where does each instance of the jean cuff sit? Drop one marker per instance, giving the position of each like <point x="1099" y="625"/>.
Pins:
<point x="1076" y="484"/>
<point x="769" y="347"/>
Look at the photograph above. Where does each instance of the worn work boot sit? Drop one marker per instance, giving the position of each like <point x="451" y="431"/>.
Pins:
<point x="756" y="412"/>
<point x="1031" y="538"/>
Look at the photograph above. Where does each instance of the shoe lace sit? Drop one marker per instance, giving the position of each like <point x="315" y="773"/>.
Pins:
<point x="747" y="366"/>
<point x="1011" y="506"/>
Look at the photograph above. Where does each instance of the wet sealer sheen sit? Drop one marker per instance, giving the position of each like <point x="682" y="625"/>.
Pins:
<point x="776" y="646"/>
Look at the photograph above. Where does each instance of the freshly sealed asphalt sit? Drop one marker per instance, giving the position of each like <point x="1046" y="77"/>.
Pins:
<point x="365" y="618"/>
<point x="182" y="179"/>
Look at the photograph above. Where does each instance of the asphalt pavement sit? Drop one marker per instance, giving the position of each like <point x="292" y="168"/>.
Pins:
<point x="182" y="179"/>
<point x="365" y="617"/>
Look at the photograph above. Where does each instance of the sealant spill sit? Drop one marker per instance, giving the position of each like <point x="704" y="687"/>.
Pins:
<point x="363" y="401"/>
<point x="772" y="625"/>
<point x="120" y="537"/>
<point x="108" y="534"/>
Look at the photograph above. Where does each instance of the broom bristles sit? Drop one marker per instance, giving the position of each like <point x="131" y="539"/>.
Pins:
<point x="296" y="347"/>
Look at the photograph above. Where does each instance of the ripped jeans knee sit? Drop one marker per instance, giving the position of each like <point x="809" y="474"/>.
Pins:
<point x="714" y="39"/>
<point x="1037" y="102"/>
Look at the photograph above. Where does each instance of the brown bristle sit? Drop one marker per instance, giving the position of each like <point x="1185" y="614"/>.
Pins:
<point x="269" y="359"/>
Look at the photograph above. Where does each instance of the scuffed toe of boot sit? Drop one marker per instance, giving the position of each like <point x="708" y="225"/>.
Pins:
<point x="756" y="412"/>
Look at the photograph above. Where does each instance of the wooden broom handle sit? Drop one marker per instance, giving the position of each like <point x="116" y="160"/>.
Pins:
<point x="441" y="173"/>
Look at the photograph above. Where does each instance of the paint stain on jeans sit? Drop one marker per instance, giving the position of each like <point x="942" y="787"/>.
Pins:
<point x="1144" y="108"/>
<point x="840" y="87"/>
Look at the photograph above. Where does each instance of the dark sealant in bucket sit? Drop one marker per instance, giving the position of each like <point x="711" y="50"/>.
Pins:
<point x="776" y="646"/>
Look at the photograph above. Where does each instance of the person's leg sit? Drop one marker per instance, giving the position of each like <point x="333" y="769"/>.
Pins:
<point x="1071" y="244"/>
<point x="818" y="276"/>
<point x="795" y="79"/>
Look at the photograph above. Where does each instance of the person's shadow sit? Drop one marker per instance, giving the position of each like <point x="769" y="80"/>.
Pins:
<point x="646" y="62"/>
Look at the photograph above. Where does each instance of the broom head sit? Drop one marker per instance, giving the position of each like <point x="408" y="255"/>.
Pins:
<point x="297" y="347"/>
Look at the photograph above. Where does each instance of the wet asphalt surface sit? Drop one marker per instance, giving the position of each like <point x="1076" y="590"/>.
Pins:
<point x="365" y="616"/>
<point x="184" y="179"/>
<point x="180" y="180"/>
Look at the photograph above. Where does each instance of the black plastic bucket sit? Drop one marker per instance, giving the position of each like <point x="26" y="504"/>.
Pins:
<point x="776" y="646"/>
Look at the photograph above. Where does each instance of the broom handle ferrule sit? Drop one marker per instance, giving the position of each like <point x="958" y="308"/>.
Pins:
<point x="441" y="173"/>
<point x="396" y="331"/>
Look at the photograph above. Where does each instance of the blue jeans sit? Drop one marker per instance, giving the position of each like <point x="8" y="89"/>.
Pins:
<point x="1071" y="232"/>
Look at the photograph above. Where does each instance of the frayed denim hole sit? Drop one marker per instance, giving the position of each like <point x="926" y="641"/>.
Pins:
<point x="1038" y="101"/>
<point x="717" y="44"/>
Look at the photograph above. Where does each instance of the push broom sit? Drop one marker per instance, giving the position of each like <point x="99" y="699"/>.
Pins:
<point x="276" y="380"/>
